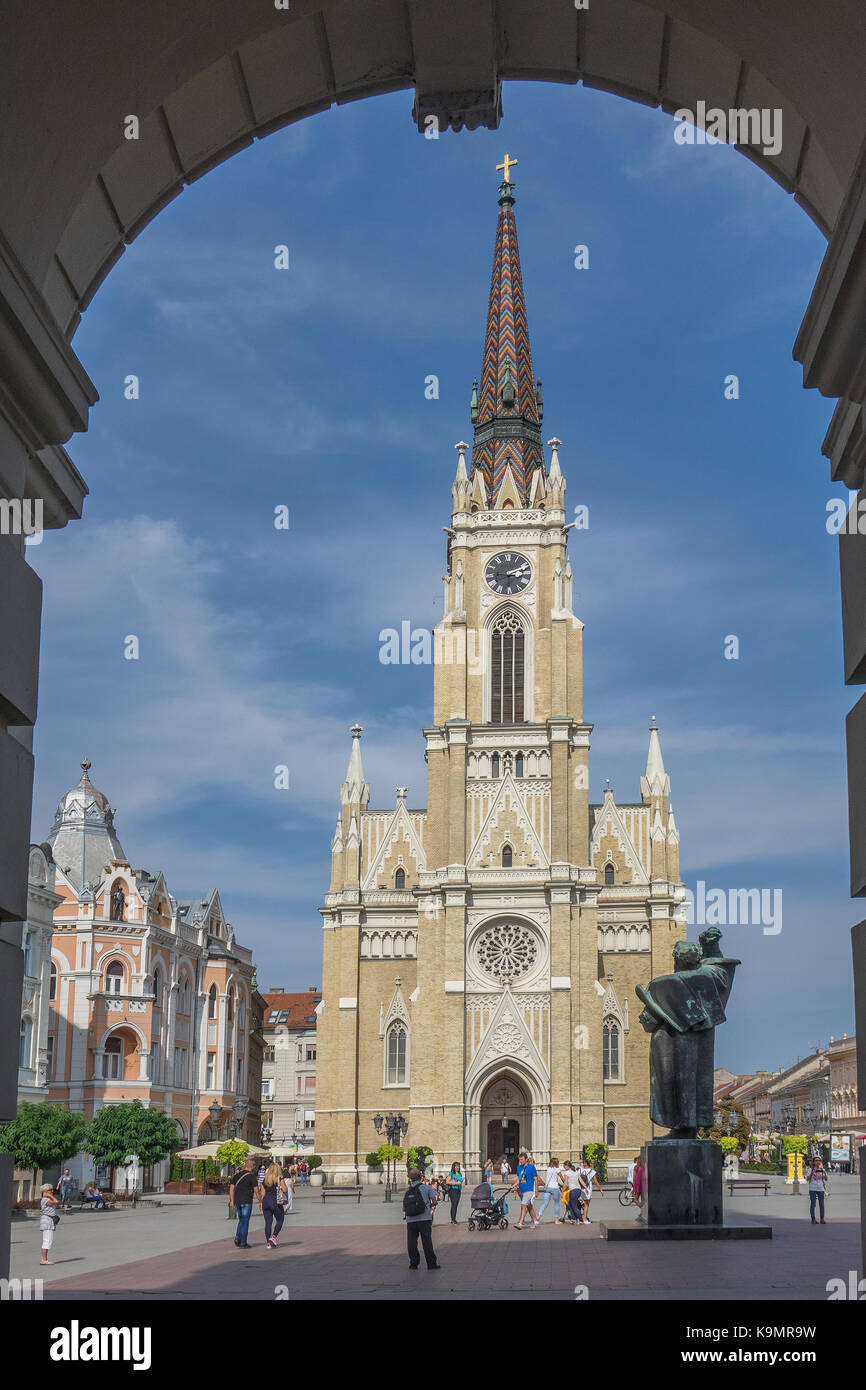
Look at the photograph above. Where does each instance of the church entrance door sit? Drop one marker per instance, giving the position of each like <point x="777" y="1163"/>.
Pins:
<point x="503" y="1141"/>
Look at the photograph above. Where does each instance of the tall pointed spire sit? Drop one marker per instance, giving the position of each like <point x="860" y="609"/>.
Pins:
<point x="655" y="781"/>
<point x="354" y="788"/>
<point x="506" y="414"/>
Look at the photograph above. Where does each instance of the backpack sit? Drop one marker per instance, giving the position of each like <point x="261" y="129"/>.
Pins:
<point x="413" y="1201"/>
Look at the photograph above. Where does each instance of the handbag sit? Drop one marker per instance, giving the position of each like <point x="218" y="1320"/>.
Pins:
<point x="282" y="1196"/>
<point x="55" y="1217"/>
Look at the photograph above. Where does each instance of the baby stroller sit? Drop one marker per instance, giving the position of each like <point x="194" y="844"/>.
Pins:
<point x="488" y="1210"/>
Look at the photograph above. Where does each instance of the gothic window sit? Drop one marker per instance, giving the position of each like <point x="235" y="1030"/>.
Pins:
<point x="114" y="978"/>
<point x="112" y="1067"/>
<point x="507" y="856"/>
<point x="212" y="1002"/>
<point x="52" y="982"/>
<point x="400" y="878"/>
<point x="609" y="875"/>
<point x="157" y="988"/>
<point x="507" y="647"/>
<point x="25" y="1045"/>
<point x="230" y="1006"/>
<point x="611" y="1049"/>
<point x="611" y="1134"/>
<point x="395" y="1044"/>
<point x="494" y="765"/>
<point x="518" y="765"/>
<point x="507" y="951"/>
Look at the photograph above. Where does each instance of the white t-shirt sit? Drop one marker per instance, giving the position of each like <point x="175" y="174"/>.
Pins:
<point x="588" y="1174"/>
<point x="631" y="1172"/>
<point x="551" y="1179"/>
<point x="573" y="1178"/>
<point x="817" y="1180"/>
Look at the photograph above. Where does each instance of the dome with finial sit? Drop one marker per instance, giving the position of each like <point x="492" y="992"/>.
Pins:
<point x="82" y="838"/>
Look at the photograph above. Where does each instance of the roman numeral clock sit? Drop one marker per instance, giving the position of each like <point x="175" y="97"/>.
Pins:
<point x="508" y="572"/>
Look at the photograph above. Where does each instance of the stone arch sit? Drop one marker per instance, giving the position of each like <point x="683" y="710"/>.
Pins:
<point x="237" y="72"/>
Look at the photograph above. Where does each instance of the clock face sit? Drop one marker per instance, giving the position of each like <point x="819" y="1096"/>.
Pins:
<point x="508" y="572"/>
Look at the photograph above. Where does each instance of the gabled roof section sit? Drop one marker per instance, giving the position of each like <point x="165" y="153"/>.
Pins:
<point x="608" y="821"/>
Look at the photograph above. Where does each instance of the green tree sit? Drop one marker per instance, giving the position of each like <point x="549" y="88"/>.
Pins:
<point x="42" y="1134"/>
<point x="198" y="1171"/>
<point x="419" y="1156"/>
<point x="175" y="1168"/>
<point x="314" y="1161"/>
<point x="119" y="1132"/>
<point x="740" y="1128"/>
<point x="233" y="1152"/>
<point x="795" y="1143"/>
<point x="597" y="1156"/>
<point x="730" y="1144"/>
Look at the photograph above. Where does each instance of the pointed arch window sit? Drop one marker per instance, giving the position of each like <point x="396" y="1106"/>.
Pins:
<point x="114" y="978"/>
<point x="507" y="856"/>
<point x="494" y="765"/>
<point x="507" y="666"/>
<point x="157" y="988"/>
<point x="609" y="875"/>
<point x="400" y="878"/>
<point x="518" y="765"/>
<point x="212" y="1002"/>
<point x="395" y="1053"/>
<point x="52" y="983"/>
<point x="611" y="1041"/>
<point x="230" y="1006"/>
<point x="611" y="1134"/>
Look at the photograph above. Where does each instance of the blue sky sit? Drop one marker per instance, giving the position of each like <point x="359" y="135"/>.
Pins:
<point x="306" y="388"/>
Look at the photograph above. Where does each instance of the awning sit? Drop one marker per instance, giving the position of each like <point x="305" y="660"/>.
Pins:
<point x="210" y="1150"/>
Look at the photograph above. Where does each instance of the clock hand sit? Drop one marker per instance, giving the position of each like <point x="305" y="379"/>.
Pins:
<point x="517" y="571"/>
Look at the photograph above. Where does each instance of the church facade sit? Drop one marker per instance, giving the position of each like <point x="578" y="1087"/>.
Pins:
<point x="481" y="954"/>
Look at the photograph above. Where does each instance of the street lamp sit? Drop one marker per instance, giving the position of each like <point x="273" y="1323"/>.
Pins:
<point x="239" y="1110"/>
<point x="395" y="1127"/>
<point x="215" y="1111"/>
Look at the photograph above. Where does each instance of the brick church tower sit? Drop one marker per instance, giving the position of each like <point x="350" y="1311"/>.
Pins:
<point x="480" y="955"/>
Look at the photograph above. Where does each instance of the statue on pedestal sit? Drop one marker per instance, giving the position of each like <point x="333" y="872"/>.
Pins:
<point x="682" y="1012"/>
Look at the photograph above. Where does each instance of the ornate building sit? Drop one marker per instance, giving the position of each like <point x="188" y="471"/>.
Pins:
<point x="151" y="999"/>
<point x="480" y="955"/>
<point x="289" y="1071"/>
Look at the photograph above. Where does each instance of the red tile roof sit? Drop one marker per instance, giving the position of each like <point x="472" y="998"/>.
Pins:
<point x="299" y="1008"/>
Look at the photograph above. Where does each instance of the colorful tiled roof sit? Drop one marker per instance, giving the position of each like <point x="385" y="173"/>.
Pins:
<point x="506" y="412"/>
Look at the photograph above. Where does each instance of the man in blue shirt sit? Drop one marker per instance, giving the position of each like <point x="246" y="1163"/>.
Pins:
<point x="527" y="1181"/>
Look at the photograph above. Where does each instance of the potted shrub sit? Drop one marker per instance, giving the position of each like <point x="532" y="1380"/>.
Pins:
<point x="374" y="1167"/>
<point x="317" y="1177"/>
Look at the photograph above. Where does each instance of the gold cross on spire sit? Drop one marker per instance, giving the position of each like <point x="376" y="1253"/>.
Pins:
<point x="506" y="165"/>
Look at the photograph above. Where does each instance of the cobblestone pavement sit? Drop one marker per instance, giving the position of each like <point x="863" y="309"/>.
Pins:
<point x="348" y="1251"/>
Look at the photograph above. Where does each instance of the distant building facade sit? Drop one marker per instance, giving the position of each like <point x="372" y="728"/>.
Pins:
<point x="149" y="998"/>
<point x="289" y="1069"/>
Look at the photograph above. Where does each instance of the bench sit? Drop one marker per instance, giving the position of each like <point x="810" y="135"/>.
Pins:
<point x="747" y="1182"/>
<point x="341" y="1192"/>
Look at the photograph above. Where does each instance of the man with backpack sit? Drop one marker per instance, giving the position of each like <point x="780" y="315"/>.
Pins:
<point x="419" y="1200"/>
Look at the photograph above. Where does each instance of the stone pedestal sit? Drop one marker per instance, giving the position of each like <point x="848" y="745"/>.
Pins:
<point x="683" y="1196"/>
<point x="683" y="1182"/>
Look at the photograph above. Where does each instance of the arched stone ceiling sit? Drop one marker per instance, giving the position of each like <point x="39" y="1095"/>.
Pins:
<point x="206" y="77"/>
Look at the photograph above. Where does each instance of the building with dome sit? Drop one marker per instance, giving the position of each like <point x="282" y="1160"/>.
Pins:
<point x="481" y="952"/>
<point x="130" y="994"/>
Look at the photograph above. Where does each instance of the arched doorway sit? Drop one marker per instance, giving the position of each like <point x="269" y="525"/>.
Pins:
<point x="506" y="1123"/>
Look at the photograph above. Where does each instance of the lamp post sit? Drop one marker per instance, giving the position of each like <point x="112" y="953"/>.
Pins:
<point x="239" y="1110"/>
<point x="395" y="1127"/>
<point x="215" y="1111"/>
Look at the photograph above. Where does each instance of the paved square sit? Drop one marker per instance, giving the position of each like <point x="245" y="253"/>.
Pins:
<point x="184" y="1250"/>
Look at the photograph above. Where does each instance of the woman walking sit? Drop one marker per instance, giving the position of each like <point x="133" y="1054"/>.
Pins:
<point x="816" y="1176"/>
<point x="454" y="1183"/>
<point x="552" y="1188"/>
<point x="272" y="1193"/>
<point x="488" y="1171"/>
<point x="48" y="1220"/>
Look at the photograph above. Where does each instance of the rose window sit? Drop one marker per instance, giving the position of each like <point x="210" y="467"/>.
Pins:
<point x="507" y="951"/>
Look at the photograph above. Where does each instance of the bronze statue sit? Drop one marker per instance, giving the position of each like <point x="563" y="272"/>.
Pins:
<point x="682" y="1012"/>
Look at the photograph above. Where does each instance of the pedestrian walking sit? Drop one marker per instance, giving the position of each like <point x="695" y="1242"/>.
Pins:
<point x="48" y="1221"/>
<point x="552" y="1189"/>
<point x="242" y="1190"/>
<point x="525" y="1186"/>
<point x="65" y="1184"/>
<point x="638" y="1182"/>
<point x="504" y="1169"/>
<point x="487" y="1175"/>
<point x="589" y="1176"/>
<point x="419" y="1200"/>
<point x="273" y="1199"/>
<point x="574" y="1189"/>
<point x="454" y="1184"/>
<point x="290" y="1191"/>
<point x="816" y="1177"/>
